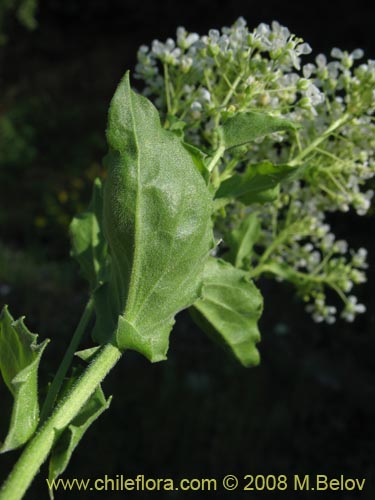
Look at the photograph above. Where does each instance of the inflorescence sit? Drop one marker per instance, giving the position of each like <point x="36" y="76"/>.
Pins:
<point x="197" y="82"/>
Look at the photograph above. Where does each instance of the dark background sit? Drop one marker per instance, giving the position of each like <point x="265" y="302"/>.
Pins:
<point x="310" y="406"/>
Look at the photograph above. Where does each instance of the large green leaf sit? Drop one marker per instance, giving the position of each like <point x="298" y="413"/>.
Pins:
<point x="72" y="435"/>
<point x="229" y="310"/>
<point x="157" y="221"/>
<point x="19" y="361"/>
<point x="246" y="127"/>
<point x="257" y="184"/>
<point x="241" y="240"/>
<point x="88" y="244"/>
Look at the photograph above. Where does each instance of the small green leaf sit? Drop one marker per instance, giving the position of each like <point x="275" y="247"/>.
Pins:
<point x="88" y="354"/>
<point x="157" y="221"/>
<point x="229" y="310"/>
<point x="199" y="159"/>
<point x="175" y="125"/>
<point x="72" y="435"/>
<point x="242" y="240"/>
<point x="258" y="184"/>
<point x="246" y="127"/>
<point x="88" y="244"/>
<point x="19" y="361"/>
<point x="220" y="204"/>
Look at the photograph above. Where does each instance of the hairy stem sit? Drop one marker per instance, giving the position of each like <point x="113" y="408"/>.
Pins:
<point x="66" y="362"/>
<point x="40" y="446"/>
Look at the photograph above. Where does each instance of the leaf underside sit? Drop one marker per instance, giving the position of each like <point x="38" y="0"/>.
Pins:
<point x="229" y="310"/>
<point x="242" y="240"/>
<point x="156" y="219"/>
<point x="258" y="184"/>
<point x="89" y="247"/>
<point x="19" y="361"/>
<point x="243" y="128"/>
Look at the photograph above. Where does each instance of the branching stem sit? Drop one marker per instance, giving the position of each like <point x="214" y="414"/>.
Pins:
<point x="321" y="138"/>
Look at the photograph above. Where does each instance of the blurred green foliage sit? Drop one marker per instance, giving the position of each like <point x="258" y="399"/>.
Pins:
<point x="33" y="146"/>
<point x="23" y="10"/>
<point x="20" y="269"/>
<point x="16" y="137"/>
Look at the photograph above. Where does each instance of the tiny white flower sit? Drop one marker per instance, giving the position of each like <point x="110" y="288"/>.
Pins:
<point x="360" y="308"/>
<point x="196" y="106"/>
<point x="214" y="35"/>
<point x="303" y="49"/>
<point x="342" y="246"/>
<point x="337" y="53"/>
<point x="205" y="94"/>
<point x="357" y="54"/>
<point x="308" y="70"/>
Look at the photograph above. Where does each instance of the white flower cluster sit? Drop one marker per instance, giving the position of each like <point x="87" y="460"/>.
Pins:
<point x="309" y="255"/>
<point x="251" y="68"/>
<point x="202" y="80"/>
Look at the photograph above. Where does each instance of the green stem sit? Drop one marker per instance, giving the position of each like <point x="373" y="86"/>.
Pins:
<point x="210" y="89"/>
<point x="313" y="145"/>
<point x="266" y="268"/>
<point x="66" y="362"/>
<point x="335" y="181"/>
<point x="233" y="88"/>
<point x="167" y="88"/>
<point x="218" y="154"/>
<point x="298" y="141"/>
<point x="260" y="269"/>
<point x="338" y="291"/>
<point x="330" y="155"/>
<point x="323" y="262"/>
<point x="40" y="446"/>
<point x="275" y="214"/>
<point x="273" y="91"/>
<point x="290" y="209"/>
<point x="280" y="238"/>
<point x="227" y="172"/>
<point x="330" y="193"/>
